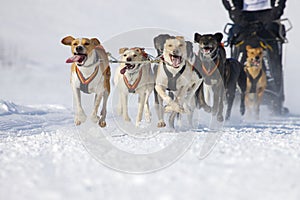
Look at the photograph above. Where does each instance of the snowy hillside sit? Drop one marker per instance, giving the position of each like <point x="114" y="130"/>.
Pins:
<point x="44" y="156"/>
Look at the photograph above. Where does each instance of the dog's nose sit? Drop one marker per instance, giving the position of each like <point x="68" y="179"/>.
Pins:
<point x="128" y="59"/>
<point x="79" y="48"/>
<point x="257" y="57"/>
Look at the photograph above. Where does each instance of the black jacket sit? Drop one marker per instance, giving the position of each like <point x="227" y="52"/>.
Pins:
<point x="238" y="16"/>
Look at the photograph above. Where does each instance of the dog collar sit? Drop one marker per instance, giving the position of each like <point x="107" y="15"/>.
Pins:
<point x="85" y="82"/>
<point x="132" y="87"/>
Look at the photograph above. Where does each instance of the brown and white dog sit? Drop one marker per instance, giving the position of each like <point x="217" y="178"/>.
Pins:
<point x="90" y="73"/>
<point x="134" y="76"/>
<point x="174" y="73"/>
<point x="256" y="79"/>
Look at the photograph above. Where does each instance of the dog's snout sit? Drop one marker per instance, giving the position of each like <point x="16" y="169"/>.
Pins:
<point x="175" y="52"/>
<point x="129" y="59"/>
<point x="79" y="48"/>
<point x="257" y="57"/>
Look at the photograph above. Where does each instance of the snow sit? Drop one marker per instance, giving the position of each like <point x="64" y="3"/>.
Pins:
<point x="44" y="156"/>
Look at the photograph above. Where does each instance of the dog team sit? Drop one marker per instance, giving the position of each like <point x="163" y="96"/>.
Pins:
<point x="181" y="80"/>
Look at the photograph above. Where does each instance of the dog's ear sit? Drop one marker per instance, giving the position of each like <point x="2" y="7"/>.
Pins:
<point x="67" y="40"/>
<point x="122" y="50"/>
<point x="179" y="37"/>
<point x="197" y="37"/>
<point x="95" y="41"/>
<point x="248" y="47"/>
<point x="219" y="37"/>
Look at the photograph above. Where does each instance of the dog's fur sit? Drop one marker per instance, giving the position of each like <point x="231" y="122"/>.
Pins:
<point x="234" y="75"/>
<point x="256" y="79"/>
<point x="175" y="63"/>
<point x="211" y="64"/>
<point x="140" y="73"/>
<point x="90" y="56"/>
<point x="159" y="42"/>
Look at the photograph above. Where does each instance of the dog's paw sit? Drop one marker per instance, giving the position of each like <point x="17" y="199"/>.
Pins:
<point x="79" y="119"/>
<point x="148" y="118"/>
<point x="95" y="118"/>
<point x="77" y="122"/>
<point x="127" y="119"/>
<point x="102" y="124"/>
<point x="220" y="118"/>
<point x="207" y="108"/>
<point x="161" y="124"/>
<point x="174" y="107"/>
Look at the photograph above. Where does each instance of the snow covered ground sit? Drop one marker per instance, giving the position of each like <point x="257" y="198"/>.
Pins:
<point x="43" y="156"/>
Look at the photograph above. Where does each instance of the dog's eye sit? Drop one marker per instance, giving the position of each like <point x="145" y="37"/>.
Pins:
<point x="125" y="55"/>
<point x="181" y="45"/>
<point x="134" y="55"/>
<point x="170" y="45"/>
<point x="75" y="43"/>
<point x="87" y="44"/>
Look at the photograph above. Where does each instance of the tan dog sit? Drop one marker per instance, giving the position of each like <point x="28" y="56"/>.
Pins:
<point x="256" y="79"/>
<point x="90" y="73"/>
<point x="175" y="74"/>
<point x="134" y="76"/>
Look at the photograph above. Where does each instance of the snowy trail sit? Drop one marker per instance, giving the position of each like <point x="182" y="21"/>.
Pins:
<point x="42" y="157"/>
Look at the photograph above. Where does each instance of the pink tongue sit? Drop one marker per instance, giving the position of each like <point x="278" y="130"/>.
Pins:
<point x="75" y="58"/>
<point x="175" y="61"/>
<point x="123" y="70"/>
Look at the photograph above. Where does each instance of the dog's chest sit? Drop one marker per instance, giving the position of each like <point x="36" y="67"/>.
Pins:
<point x="87" y="79"/>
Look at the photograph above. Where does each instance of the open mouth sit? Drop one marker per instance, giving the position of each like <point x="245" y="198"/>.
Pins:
<point x="79" y="58"/>
<point x="176" y="60"/>
<point x="207" y="50"/>
<point x="127" y="67"/>
<point x="255" y="63"/>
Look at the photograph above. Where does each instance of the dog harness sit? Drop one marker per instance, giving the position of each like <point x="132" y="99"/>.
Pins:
<point x="84" y="83"/>
<point x="253" y="80"/>
<point x="132" y="87"/>
<point x="172" y="80"/>
<point x="210" y="72"/>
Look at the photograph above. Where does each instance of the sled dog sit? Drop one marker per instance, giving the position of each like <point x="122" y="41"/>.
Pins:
<point x="175" y="74"/>
<point x="136" y="78"/>
<point x="90" y="73"/>
<point x="256" y="79"/>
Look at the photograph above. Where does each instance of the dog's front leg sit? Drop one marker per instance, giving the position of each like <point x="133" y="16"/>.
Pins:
<point x="159" y="108"/>
<point x="220" y="117"/>
<point x="124" y="100"/>
<point x="147" y="108"/>
<point x="80" y="116"/>
<point x="142" y="97"/>
<point x="102" y="122"/>
<point x="172" y="105"/>
<point x="94" y="117"/>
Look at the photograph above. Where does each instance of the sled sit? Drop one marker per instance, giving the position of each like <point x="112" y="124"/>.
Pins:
<point x="274" y="93"/>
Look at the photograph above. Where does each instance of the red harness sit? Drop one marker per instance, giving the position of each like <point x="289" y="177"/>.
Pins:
<point x="210" y="72"/>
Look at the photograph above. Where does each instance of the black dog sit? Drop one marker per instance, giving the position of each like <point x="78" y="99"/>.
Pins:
<point x="220" y="73"/>
<point x="234" y="75"/>
<point x="211" y="64"/>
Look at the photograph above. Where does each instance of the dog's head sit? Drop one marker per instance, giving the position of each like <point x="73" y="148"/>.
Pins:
<point x="81" y="48"/>
<point x="159" y="42"/>
<point x="208" y="43"/>
<point x="132" y="55"/>
<point x="254" y="56"/>
<point x="175" y="51"/>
